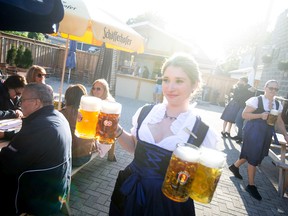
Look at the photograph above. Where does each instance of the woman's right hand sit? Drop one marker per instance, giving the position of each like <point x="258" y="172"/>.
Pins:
<point x="264" y="115"/>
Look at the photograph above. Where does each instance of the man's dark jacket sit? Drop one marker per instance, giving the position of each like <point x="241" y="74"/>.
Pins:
<point x="36" y="164"/>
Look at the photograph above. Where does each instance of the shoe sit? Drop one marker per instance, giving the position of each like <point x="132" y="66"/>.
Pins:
<point x="223" y="134"/>
<point x="235" y="138"/>
<point x="239" y="141"/>
<point x="235" y="171"/>
<point x="227" y="134"/>
<point x="252" y="190"/>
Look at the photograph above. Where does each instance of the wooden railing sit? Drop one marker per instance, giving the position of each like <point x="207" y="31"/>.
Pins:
<point x="48" y="55"/>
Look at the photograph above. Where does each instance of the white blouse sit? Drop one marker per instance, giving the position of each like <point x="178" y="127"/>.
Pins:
<point x="253" y="102"/>
<point x="184" y="120"/>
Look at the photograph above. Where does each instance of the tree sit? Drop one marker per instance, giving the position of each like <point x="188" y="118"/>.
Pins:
<point x="37" y="36"/>
<point x="27" y="58"/>
<point x="19" y="56"/>
<point x="11" y="55"/>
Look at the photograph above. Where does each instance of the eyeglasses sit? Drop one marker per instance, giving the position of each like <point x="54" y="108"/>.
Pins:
<point x="97" y="88"/>
<point x="272" y="88"/>
<point x="17" y="92"/>
<point x="41" y="75"/>
<point x="21" y="100"/>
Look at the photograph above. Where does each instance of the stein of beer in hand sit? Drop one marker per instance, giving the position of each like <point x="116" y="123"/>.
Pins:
<point x="108" y="121"/>
<point x="272" y="117"/>
<point x="210" y="167"/>
<point x="180" y="172"/>
<point x="87" y="117"/>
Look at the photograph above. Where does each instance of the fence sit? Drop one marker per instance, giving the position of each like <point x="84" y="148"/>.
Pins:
<point x="51" y="56"/>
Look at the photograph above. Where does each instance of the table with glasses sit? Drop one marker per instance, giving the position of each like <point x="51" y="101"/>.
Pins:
<point x="9" y="125"/>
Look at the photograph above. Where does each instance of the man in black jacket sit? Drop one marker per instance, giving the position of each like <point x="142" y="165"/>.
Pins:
<point x="245" y="91"/>
<point x="35" y="167"/>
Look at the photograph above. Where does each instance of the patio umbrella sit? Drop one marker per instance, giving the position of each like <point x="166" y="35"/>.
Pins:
<point x="71" y="58"/>
<point x="30" y="15"/>
<point x="85" y="23"/>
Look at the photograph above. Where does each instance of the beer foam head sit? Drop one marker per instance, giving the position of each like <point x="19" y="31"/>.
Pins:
<point x="187" y="152"/>
<point x="212" y="158"/>
<point x="274" y="112"/>
<point x="90" y="103"/>
<point x="110" y="107"/>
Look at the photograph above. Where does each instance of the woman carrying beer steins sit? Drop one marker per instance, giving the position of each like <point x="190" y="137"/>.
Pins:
<point x="155" y="133"/>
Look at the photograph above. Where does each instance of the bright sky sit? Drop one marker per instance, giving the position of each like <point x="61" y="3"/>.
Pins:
<point x="208" y="23"/>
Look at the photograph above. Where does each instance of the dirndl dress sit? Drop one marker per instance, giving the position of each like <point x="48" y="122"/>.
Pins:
<point x="230" y="112"/>
<point x="138" y="187"/>
<point x="257" y="137"/>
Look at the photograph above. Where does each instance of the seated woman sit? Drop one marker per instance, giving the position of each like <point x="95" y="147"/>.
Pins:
<point x="10" y="92"/>
<point x="36" y="74"/>
<point x="82" y="149"/>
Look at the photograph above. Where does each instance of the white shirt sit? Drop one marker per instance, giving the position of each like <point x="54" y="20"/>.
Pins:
<point x="186" y="119"/>
<point x="253" y="102"/>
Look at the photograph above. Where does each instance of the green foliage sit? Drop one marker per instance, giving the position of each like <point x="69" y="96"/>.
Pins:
<point x="27" y="58"/>
<point x="283" y="65"/>
<point x="11" y="55"/>
<point x="23" y="57"/>
<point x="23" y="34"/>
<point x="19" y="56"/>
<point x="266" y="59"/>
<point x="36" y="36"/>
<point x="230" y="63"/>
<point x="32" y="35"/>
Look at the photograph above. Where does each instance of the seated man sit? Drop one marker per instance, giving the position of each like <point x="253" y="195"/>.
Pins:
<point x="10" y="92"/>
<point x="35" y="168"/>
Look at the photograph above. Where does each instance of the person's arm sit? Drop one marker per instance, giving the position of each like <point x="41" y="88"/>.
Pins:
<point x="281" y="127"/>
<point x="8" y="135"/>
<point x="126" y="140"/>
<point x="249" y="115"/>
<point x="6" y="114"/>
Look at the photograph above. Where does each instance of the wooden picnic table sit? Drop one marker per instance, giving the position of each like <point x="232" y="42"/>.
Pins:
<point x="279" y="160"/>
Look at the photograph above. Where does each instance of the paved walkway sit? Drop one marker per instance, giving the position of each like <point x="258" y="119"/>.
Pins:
<point x="92" y="186"/>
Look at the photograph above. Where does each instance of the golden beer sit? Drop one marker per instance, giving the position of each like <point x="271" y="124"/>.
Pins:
<point x="107" y="122"/>
<point x="207" y="175"/>
<point x="180" y="172"/>
<point x="87" y="117"/>
<point x="272" y="117"/>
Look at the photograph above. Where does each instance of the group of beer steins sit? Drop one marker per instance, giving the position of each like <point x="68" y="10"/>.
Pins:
<point x="98" y="119"/>
<point x="193" y="172"/>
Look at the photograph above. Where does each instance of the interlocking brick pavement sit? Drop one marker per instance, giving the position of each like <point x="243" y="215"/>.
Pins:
<point x="93" y="185"/>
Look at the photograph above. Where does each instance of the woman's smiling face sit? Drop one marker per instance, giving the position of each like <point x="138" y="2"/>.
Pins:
<point x="177" y="86"/>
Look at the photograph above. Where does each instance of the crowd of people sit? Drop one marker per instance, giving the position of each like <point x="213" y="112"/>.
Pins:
<point x="36" y="165"/>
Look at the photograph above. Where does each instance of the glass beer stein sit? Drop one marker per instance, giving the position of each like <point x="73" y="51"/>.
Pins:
<point x="107" y="122"/>
<point x="180" y="172"/>
<point x="272" y="117"/>
<point x="210" y="167"/>
<point x="87" y="117"/>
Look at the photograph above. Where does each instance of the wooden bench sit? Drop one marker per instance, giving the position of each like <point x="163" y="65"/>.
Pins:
<point x="279" y="160"/>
